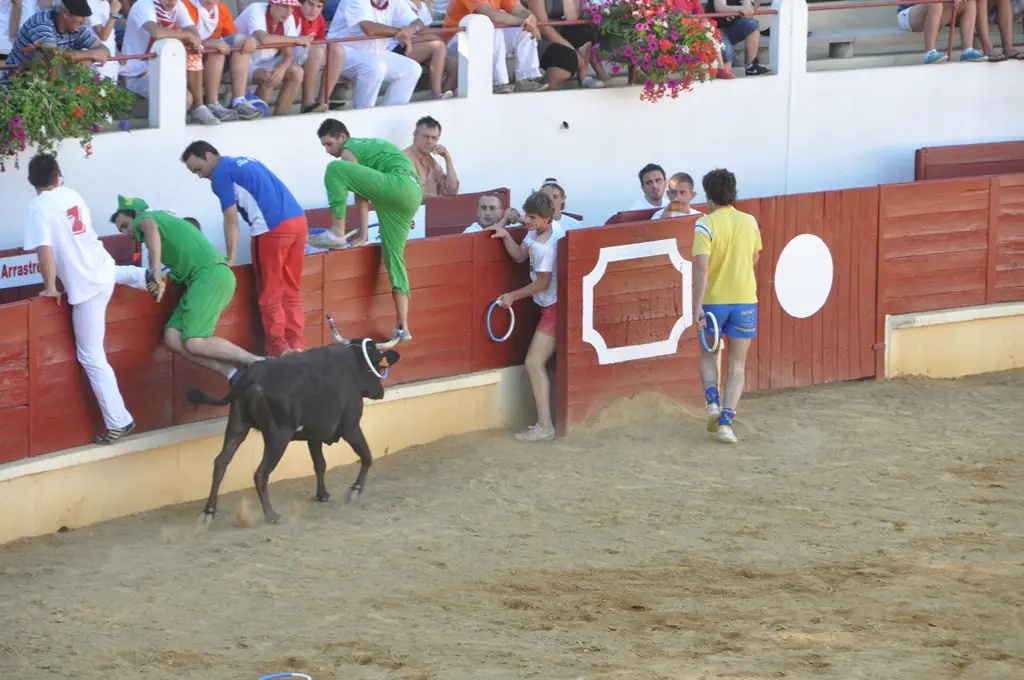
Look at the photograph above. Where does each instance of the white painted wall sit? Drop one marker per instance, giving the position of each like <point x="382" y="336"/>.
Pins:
<point x="787" y="133"/>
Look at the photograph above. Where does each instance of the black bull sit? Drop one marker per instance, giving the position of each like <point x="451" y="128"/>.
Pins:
<point x="316" y="397"/>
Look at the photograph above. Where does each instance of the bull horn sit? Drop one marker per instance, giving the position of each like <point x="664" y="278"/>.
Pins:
<point x="383" y="347"/>
<point x="334" y="331"/>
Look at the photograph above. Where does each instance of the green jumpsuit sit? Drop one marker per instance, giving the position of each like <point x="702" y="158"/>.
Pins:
<point x="385" y="176"/>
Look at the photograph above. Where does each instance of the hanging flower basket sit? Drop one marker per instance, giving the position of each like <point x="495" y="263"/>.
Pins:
<point x="53" y="98"/>
<point x="668" y="48"/>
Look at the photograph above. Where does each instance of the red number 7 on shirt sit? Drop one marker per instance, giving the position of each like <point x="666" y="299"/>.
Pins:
<point x="77" y="226"/>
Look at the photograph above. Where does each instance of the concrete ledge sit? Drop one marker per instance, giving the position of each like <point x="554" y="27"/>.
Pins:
<point x="956" y="342"/>
<point x="91" y="484"/>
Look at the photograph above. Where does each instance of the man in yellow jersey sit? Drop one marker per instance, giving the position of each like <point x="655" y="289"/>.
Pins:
<point x="726" y="247"/>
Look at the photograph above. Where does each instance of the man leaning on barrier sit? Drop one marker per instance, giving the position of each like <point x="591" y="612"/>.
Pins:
<point x="62" y="28"/>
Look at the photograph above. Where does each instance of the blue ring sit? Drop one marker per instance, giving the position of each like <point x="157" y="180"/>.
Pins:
<point x="490" y="310"/>
<point x="284" y="675"/>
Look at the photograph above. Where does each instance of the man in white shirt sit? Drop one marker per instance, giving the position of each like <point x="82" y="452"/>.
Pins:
<point x="275" y="27"/>
<point x="60" y="229"/>
<point x="680" y="193"/>
<point x="652" y="182"/>
<point x="152" y="20"/>
<point x="489" y="213"/>
<point x="552" y="188"/>
<point x="370" y="63"/>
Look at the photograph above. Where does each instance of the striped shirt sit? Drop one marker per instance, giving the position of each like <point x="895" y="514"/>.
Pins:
<point x="42" y="28"/>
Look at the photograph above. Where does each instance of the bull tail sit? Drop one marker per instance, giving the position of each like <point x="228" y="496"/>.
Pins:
<point x="197" y="396"/>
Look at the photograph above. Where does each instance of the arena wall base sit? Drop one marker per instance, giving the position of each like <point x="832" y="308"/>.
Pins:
<point x="955" y="343"/>
<point x="92" y="484"/>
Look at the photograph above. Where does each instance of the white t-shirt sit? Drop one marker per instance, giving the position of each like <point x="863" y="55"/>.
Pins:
<point x="424" y="13"/>
<point x="136" y="39"/>
<point x="569" y="223"/>
<point x="100" y="15"/>
<point x="657" y="215"/>
<point x="254" y="18"/>
<point x="643" y="204"/>
<point x="473" y="228"/>
<point x="345" y="24"/>
<point x="28" y="8"/>
<point x="60" y="219"/>
<point x="544" y="258"/>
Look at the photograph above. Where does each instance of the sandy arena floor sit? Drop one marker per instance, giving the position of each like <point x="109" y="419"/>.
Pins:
<point x="868" y="530"/>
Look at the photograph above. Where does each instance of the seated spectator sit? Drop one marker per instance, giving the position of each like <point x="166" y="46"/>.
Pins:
<point x="652" y="181"/>
<point x="565" y="50"/>
<point x="1003" y="13"/>
<point x="554" y="190"/>
<point x="217" y="29"/>
<point x="928" y="19"/>
<point x="13" y="15"/>
<point x="104" y="15"/>
<point x="425" y="11"/>
<point x="680" y="193"/>
<point x="122" y="22"/>
<point x="64" y="27"/>
<point x="436" y="182"/>
<point x="736" y="30"/>
<point x="694" y="8"/>
<point x="489" y="214"/>
<point x="280" y="66"/>
<point x="520" y="34"/>
<point x="152" y="20"/>
<point x="371" y="63"/>
<point x="311" y="23"/>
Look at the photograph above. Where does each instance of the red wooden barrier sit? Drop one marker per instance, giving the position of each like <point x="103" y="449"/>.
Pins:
<point x="639" y="301"/>
<point x="968" y="160"/>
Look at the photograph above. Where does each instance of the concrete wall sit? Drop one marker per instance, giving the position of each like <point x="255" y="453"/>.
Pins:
<point x="955" y="343"/>
<point x="93" y="484"/>
<point x="791" y="132"/>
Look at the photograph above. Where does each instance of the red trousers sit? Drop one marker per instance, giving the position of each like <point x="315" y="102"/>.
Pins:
<point x="277" y="257"/>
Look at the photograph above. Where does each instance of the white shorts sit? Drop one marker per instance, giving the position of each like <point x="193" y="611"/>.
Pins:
<point x="299" y="57"/>
<point x="138" y="85"/>
<point x="903" y="18"/>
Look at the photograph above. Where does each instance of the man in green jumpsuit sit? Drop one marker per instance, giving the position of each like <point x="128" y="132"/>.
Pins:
<point x="375" y="171"/>
<point x="193" y="262"/>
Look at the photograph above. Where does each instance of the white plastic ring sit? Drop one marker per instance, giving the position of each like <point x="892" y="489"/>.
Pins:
<point x="286" y="675"/>
<point x="711" y="323"/>
<point x="511" y="325"/>
<point x="366" y="355"/>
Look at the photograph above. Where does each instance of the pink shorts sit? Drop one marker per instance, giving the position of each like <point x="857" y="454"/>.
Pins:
<point x="547" y="320"/>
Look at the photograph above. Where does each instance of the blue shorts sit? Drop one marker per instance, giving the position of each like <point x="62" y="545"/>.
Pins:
<point x="735" y="321"/>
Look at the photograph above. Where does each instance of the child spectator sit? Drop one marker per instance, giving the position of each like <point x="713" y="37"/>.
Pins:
<point x="279" y="65"/>
<point x="680" y="193"/>
<point x="217" y="29"/>
<point x="736" y="30"/>
<point x="552" y="188"/>
<point x="310" y="20"/>
<point x="488" y="214"/>
<point x="105" y="14"/>
<point x="540" y="247"/>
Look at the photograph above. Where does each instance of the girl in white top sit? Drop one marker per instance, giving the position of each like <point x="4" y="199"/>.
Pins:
<point x="105" y="14"/>
<point x="540" y="247"/>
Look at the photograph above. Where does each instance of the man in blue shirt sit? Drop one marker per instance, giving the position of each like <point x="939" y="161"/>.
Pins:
<point x="63" y="27"/>
<point x="248" y="188"/>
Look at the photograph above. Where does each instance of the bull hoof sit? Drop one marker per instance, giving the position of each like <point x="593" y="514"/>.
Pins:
<point x="323" y="497"/>
<point x="207" y="516"/>
<point x="353" y="495"/>
<point x="272" y="517"/>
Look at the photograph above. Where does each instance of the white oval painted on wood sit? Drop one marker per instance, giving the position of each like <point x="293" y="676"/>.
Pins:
<point x="803" y="276"/>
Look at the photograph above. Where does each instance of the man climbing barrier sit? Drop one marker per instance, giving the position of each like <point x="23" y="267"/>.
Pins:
<point x="375" y="171"/>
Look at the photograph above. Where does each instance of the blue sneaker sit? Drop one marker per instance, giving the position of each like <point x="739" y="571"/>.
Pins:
<point x="971" y="54"/>
<point x="934" y="57"/>
<point x="714" y="409"/>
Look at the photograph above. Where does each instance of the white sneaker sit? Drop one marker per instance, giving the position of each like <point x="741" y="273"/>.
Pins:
<point x="403" y="333"/>
<point x="714" y="410"/>
<point x="725" y="434"/>
<point x="246" y="110"/>
<point x="203" y="116"/>
<point x="535" y="433"/>
<point x="327" y="239"/>
<point x="223" y="114"/>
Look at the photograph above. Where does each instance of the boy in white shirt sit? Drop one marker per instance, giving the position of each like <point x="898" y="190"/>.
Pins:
<point x="540" y="247"/>
<point x="274" y="26"/>
<point x="488" y="214"/>
<point x="60" y="228"/>
<point x="552" y="188"/>
<point x="680" y="193"/>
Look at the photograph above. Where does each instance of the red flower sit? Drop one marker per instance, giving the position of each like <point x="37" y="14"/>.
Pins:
<point x="665" y="45"/>
<point x="79" y="112"/>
